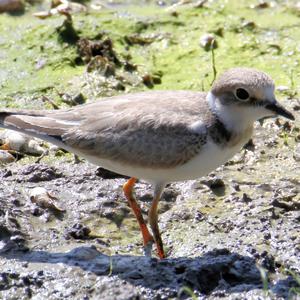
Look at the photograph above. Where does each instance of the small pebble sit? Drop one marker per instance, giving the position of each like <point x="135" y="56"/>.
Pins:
<point x="11" y="5"/>
<point x="41" y="197"/>
<point x="6" y="157"/>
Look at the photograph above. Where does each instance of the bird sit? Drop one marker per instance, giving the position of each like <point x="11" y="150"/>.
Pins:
<point x="158" y="136"/>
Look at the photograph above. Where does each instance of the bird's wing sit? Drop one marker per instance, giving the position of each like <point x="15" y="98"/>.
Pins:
<point x="152" y="129"/>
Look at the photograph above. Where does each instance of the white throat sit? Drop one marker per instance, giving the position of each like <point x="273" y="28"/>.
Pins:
<point x="234" y="118"/>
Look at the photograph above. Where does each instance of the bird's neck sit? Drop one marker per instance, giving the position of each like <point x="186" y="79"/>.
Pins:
<point x="232" y="128"/>
<point x="233" y="118"/>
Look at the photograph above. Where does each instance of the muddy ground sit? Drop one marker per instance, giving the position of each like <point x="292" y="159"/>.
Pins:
<point x="231" y="235"/>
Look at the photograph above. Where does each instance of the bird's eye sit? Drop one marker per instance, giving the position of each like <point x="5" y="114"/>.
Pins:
<point x="242" y="94"/>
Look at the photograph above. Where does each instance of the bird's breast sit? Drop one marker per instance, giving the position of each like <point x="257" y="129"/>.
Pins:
<point x="240" y="138"/>
<point x="211" y="157"/>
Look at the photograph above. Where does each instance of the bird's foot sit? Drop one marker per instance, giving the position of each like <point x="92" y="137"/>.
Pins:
<point x="160" y="252"/>
<point x="148" y="248"/>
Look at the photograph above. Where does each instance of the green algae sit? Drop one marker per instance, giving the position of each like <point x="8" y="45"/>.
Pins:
<point x="36" y="61"/>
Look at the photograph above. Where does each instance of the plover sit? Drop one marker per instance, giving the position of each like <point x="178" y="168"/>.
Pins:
<point x="158" y="136"/>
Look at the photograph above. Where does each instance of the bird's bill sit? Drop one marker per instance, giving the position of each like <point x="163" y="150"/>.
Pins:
<point x="278" y="109"/>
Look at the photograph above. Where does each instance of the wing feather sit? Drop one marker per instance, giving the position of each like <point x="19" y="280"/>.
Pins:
<point x="151" y="129"/>
<point x="152" y="133"/>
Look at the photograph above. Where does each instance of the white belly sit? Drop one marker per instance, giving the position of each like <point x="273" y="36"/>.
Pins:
<point x="210" y="157"/>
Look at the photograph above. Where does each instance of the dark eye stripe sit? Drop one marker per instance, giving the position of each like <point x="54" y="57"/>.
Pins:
<point x="256" y="102"/>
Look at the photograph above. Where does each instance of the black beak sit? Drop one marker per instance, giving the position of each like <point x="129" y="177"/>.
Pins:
<point x="279" y="110"/>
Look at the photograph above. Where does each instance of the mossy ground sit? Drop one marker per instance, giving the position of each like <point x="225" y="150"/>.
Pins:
<point x="264" y="38"/>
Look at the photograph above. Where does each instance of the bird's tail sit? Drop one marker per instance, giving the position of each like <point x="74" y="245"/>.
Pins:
<point x="40" y="124"/>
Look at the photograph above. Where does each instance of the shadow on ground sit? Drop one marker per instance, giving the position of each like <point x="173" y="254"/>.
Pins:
<point x="216" y="270"/>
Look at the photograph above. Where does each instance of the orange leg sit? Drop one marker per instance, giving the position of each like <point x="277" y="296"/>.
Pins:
<point x="128" y="191"/>
<point x="153" y="219"/>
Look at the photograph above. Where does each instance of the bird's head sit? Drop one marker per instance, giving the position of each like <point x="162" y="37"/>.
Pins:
<point x="245" y="95"/>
